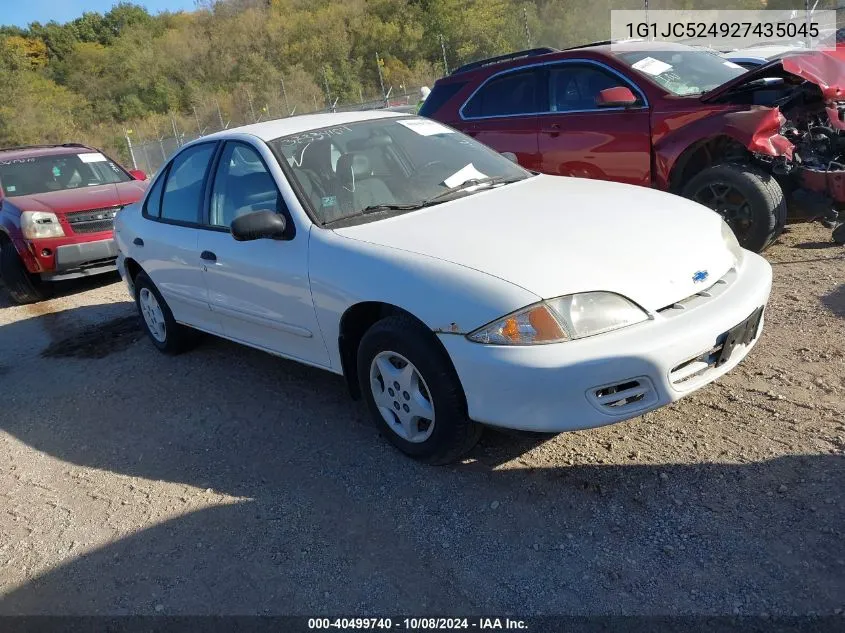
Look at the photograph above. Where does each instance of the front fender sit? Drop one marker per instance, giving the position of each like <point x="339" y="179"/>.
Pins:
<point x="757" y="130"/>
<point x="446" y="297"/>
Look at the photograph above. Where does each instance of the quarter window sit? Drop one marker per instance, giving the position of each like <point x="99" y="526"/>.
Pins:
<point x="183" y="190"/>
<point x="242" y="185"/>
<point x="152" y="207"/>
<point x="575" y="87"/>
<point x="511" y="94"/>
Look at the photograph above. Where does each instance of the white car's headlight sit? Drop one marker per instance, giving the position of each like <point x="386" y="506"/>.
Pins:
<point x="38" y="224"/>
<point x="731" y="242"/>
<point x="562" y="319"/>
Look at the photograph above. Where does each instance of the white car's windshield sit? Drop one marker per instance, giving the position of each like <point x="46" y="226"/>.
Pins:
<point x="42" y="174"/>
<point x="686" y="72"/>
<point x="389" y="165"/>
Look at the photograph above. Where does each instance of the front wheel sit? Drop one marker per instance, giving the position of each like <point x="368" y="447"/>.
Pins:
<point x="750" y="201"/>
<point x="22" y="285"/>
<point x="413" y="392"/>
<point x="166" y="334"/>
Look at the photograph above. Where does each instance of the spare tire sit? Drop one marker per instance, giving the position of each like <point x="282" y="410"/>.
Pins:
<point x="750" y="200"/>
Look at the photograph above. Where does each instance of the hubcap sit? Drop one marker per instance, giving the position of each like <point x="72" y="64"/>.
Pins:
<point x="730" y="203"/>
<point x="402" y="397"/>
<point x="153" y="315"/>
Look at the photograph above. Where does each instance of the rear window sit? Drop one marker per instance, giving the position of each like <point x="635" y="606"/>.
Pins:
<point x="510" y="94"/>
<point x="439" y="96"/>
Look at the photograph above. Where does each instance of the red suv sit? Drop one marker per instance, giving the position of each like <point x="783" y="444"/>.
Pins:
<point x="57" y="208"/>
<point x="669" y="116"/>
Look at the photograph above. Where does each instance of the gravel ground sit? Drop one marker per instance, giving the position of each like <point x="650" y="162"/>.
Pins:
<point x="227" y="481"/>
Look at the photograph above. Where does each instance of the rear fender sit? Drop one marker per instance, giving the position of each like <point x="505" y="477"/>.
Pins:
<point x="757" y="130"/>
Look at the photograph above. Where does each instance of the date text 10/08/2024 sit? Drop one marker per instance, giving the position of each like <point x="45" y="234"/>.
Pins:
<point x="417" y="624"/>
<point x="671" y="30"/>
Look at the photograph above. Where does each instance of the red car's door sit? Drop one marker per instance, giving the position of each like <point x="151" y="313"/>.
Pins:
<point x="503" y="112"/>
<point x="579" y="138"/>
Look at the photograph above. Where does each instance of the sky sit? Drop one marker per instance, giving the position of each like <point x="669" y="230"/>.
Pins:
<point x="22" y="12"/>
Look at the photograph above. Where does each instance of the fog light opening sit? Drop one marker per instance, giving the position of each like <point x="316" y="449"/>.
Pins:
<point x="46" y="252"/>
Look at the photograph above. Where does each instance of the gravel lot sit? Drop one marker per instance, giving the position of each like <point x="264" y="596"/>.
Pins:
<point x="227" y="481"/>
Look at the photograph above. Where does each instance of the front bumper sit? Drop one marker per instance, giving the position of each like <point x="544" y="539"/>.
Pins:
<point x="564" y="386"/>
<point x="82" y="259"/>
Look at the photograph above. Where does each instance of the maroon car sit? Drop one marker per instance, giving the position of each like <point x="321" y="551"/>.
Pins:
<point x="57" y="208"/>
<point x="669" y="116"/>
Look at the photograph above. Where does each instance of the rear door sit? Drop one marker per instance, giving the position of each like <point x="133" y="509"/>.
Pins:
<point x="502" y="113"/>
<point x="578" y="138"/>
<point x="166" y="244"/>
<point x="258" y="289"/>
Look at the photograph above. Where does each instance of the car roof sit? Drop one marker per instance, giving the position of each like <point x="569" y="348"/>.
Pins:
<point x="270" y="130"/>
<point x="33" y="151"/>
<point x="483" y="68"/>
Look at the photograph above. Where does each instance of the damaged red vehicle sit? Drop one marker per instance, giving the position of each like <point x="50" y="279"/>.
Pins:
<point x="678" y="118"/>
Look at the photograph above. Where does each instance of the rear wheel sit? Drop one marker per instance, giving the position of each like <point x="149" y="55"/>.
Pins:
<point x="166" y="334"/>
<point x="750" y="200"/>
<point x="413" y="392"/>
<point x="22" y="285"/>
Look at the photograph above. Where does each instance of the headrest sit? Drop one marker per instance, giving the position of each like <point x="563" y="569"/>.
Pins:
<point x="353" y="165"/>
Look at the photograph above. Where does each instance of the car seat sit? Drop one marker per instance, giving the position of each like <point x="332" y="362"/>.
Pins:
<point x="359" y="188"/>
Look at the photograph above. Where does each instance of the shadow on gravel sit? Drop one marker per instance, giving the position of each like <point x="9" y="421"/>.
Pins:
<point x="835" y="301"/>
<point x="328" y="518"/>
<point x="817" y="245"/>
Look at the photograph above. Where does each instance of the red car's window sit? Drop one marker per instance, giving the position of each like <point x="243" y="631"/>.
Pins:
<point x="511" y="94"/>
<point x="576" y="87"/>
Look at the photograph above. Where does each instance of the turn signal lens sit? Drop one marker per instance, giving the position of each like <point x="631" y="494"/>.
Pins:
<point x="532" y="326"/>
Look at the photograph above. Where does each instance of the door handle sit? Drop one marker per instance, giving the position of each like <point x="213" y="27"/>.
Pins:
<point x="208" y="256"/>
<point x="138" y="241"/>
<point x="555" y="129"/>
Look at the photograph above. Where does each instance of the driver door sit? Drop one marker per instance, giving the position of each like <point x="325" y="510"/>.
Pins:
<point x="579" y="138"/>
<point x="259" y="289"/>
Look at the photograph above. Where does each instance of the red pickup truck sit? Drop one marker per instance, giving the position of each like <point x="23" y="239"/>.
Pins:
<point x="57" y="208"/>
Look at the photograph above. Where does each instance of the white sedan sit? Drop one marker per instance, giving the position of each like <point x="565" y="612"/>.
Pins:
<point x="451" y="287"/>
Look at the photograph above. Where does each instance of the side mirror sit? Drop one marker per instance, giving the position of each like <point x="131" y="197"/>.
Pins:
<point x="259" y="225"/>
<point x="138" y="174"/>
<point x="618" y="97"/>
<point x="511" y="157"/>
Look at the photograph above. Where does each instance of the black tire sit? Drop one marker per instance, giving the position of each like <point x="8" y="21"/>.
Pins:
<point x="764" y="205"/>
<point x="22" y="286"/>
<point x="839" y="234"/>
<point x="177" y="338"/>
<point x="454" y="433"/>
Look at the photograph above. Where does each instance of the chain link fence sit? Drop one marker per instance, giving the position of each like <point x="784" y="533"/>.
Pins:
<point x="149" y="154"/>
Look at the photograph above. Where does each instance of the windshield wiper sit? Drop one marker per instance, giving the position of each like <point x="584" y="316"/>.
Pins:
<point x="443" y="196"/>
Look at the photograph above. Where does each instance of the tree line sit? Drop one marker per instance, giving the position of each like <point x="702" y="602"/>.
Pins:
<point x="93" y="78"/>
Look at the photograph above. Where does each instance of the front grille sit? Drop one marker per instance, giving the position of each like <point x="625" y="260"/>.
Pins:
<point x="700" y="297"/>
<point x="92" y="221"/>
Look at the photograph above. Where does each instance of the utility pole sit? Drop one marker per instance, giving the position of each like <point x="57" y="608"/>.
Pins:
<point x="527" y="31"/>
<point x="381" y="79"/>
<point x="251" y="109"/>
<point x="285" y="97"/>
<point x="645" y="6"/>
<point x="443" y="48"/>
<point x="219" y="115"/>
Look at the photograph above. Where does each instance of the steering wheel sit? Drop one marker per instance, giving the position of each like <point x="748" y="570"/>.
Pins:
<point x="429" y="166"/>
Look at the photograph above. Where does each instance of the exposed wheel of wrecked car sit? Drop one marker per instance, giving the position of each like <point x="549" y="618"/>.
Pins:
<point x="413" y="393"/>
<point x="750" y="201"/>
<point x="165" y="333"/>
<point x="23" y="286"/>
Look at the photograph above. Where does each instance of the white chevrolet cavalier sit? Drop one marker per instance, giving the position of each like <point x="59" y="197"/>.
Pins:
<point x="448" y="285"/>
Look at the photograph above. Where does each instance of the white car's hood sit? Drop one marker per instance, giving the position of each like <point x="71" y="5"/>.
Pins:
<point x="555" y="236"/>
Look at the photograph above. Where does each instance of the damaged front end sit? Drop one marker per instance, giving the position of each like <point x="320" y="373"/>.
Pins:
<point x="800" y="135"/>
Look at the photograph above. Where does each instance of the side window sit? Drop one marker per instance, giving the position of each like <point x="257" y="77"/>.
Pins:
<point x="242" y="185"/>
<point x="184" y="187"/>
<point x="510" y="94"/>
<point x="575" y="87"/>
<point x="152" y="207"/>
